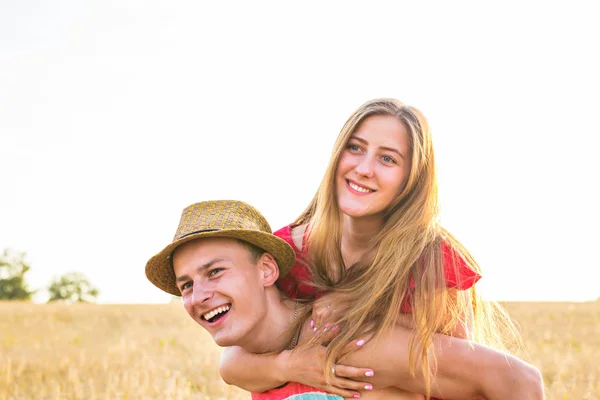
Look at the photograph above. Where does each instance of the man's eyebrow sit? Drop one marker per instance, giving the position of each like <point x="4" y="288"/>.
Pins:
<point x="200" y="268"/>
<point x="381" y="147"/>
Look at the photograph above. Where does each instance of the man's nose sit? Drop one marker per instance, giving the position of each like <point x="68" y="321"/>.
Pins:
<point x="201" y="292"/>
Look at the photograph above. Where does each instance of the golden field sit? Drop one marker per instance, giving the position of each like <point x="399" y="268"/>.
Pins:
<point x="87" y="351"/>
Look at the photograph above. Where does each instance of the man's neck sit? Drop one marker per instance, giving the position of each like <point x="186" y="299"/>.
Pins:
<point x="270" y="334"/>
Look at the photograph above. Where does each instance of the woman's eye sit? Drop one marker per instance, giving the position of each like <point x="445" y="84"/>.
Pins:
<point x="353" y="147"/>
<point x="186" y="285"/>
<point x="388" y="159"/>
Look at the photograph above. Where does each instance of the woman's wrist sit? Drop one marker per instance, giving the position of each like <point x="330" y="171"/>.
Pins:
<point x="282" y="367"/>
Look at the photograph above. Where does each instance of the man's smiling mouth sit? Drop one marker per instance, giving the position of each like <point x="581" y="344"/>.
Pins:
<point x="216" y="314"/>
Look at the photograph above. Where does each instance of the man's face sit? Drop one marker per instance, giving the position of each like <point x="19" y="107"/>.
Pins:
<point x="222" y="288"/>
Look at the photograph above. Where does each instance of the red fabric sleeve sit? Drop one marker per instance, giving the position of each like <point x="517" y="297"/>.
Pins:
<point x="458" y="274"/>
<point x="292" y="283"/>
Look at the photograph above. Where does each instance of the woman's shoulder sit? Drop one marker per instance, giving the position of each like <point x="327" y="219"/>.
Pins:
<point x="294" y="283"/>
<point x="459" y="273"/>
<point x="283" y="233"/>
<point x="299" y="237"/>
<point x="293" y="235"/>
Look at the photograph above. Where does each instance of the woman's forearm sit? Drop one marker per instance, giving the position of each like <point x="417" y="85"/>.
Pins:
<point x="463" y="371"/>
<point x="252" y="372"/>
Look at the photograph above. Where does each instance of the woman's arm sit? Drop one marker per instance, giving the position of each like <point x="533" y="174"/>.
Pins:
<point x="464" y="329"/>
<point x="251" y="372"/>
<point x="464" y="370"/>
<point x="260" y="372"/>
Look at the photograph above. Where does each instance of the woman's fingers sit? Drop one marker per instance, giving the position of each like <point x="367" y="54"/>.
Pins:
<point x="327" y="310"/>
<point x="355" y="375"/>
<point x="348" y="388"/>
<point x="320" y="315"/>
<point x="354" y="345"/>
<point x="326" y="333"/>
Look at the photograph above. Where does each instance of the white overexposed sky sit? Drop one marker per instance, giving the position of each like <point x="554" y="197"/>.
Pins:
<point x="115" y="115"/>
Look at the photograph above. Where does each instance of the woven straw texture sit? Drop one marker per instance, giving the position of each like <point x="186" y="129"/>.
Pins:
<point x="218" y="218"/>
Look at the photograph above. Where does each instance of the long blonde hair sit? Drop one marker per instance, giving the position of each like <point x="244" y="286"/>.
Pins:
<point x="372" y="291"/>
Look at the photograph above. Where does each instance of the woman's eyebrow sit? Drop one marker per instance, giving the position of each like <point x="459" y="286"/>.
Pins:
<point x="358" y="138"/>
<point x="392" y="150"/>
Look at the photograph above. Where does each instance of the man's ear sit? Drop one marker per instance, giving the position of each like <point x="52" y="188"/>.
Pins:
<point x="269" y="269"/>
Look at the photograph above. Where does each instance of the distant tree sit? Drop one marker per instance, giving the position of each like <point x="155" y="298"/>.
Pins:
<point x="13" y="268"/>
<point x="72" y="287"/>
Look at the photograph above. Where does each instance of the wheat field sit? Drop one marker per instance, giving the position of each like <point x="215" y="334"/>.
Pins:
<point x="87" y="351"/>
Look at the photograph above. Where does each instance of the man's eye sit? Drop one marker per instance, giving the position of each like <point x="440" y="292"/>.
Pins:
<point x="215" y="271"/>
<point x="186" y="285"/>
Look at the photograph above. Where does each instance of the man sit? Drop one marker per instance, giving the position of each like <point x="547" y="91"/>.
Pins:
<point x="225" y="262"/>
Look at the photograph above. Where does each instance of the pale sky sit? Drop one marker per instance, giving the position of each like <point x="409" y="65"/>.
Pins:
<point x="115" y="115"/>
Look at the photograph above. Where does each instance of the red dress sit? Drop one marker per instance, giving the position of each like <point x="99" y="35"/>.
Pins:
<point x="458" y="274"/>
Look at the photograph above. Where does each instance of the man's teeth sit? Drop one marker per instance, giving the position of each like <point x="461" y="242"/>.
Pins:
<point x="214" y="312"/>
<point x="359" y="188"/>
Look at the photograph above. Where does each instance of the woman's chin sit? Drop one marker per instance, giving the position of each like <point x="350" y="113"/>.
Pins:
<point x="354" y="211"/>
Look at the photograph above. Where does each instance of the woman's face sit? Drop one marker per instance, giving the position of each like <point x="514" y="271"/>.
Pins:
<point x="374" y="167"/>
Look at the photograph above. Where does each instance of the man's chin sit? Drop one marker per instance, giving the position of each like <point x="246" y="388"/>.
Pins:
<point x="225" y="341"/>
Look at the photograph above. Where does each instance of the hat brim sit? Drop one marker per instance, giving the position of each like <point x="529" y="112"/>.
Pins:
<point x="159" y="269"/>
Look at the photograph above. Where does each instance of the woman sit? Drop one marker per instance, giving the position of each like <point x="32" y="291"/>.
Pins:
<point x="370" y="238"/>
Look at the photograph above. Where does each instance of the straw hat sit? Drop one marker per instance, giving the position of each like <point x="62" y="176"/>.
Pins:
<point x="218" y="218"/>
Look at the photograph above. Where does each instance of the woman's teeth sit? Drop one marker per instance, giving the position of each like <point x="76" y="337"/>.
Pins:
<point x="359" y="188"/>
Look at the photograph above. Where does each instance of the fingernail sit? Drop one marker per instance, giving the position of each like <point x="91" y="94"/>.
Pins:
<point x="368" y="387"/>
<point x="327" y="325"/>
<point x="360" y="342"/>
<point x="356" y="396"/>
<point x="335" y="328"/>
<point x="315" y="329"/>
<point x="369" y="373"/>
<point x="312" y="323"/>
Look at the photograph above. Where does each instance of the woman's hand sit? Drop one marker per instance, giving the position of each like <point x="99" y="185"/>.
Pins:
<point x="306" y="366"/>
<point x="321" y="318"/>
<point x="325" y="311"/>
